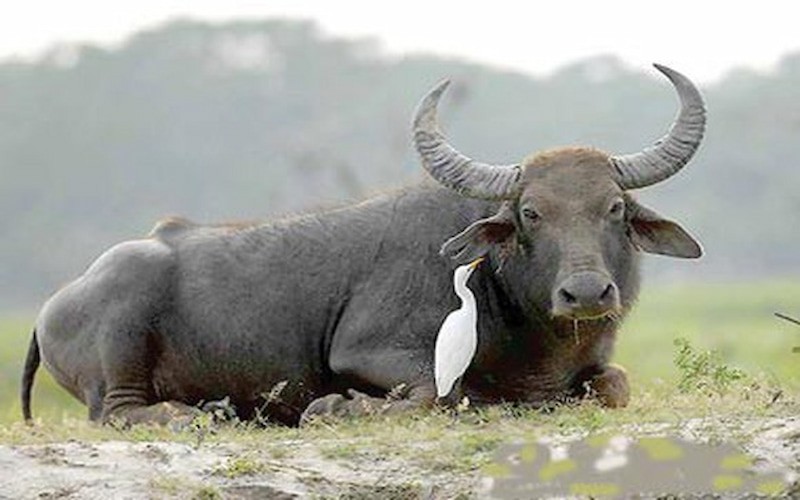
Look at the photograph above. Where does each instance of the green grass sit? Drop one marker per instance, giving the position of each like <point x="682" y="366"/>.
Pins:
<point x="239" y="466"/>
<point x="50" y="401"/>
<point x="434" y="440"/>
<point x="736" y="320"/>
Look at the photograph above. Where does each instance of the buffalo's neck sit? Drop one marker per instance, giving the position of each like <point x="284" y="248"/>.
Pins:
<point x="530" y="356"/>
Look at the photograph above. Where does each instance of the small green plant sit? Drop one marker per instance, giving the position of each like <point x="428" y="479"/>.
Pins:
<point x="474" y="443"/>
<point x="588" y="416"/>
<point x="200" y="428"/>
<point x="703" y="371"/>
<point x="207" y="492"/>
<point x="243" y="465"/>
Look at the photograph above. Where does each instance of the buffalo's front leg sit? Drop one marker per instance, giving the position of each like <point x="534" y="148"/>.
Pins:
<point x="608" y="385"/>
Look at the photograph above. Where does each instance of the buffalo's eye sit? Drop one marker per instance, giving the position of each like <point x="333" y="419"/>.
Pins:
<point x="617" y="210"/>
<point x="531" y="214"/>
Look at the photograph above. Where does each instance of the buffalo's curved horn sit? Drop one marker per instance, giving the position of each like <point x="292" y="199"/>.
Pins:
<point x="451" y="168"/>
<point x="670" y="153"/>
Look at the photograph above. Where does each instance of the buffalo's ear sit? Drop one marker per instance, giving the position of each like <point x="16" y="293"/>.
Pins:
<point x="477" y="239"/>
<point x="652" y="233"/>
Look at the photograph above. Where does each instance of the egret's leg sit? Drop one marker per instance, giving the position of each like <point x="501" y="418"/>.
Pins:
<point x="454" y="398"/>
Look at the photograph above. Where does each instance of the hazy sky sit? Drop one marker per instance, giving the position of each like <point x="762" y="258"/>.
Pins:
<point x="700" y="38"/>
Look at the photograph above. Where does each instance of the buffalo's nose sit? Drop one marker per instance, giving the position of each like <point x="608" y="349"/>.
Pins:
<point x="586" y="294"/>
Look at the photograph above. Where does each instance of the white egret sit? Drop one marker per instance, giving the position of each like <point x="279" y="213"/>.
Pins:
<point x="458" y="336"/>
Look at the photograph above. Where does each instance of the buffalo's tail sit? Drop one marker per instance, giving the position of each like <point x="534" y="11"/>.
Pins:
<point x="28" y="374"/>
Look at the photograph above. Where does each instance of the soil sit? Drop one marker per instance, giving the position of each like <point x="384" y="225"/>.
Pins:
<point x="133" y="470"/>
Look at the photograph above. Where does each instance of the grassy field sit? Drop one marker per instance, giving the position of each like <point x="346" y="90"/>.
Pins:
<point x="734" y="319"/>
<point x="737" y="320"/>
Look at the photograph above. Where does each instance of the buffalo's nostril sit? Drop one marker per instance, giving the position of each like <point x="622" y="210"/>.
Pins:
<point x="567" y="297"/>
<point x="608" y="292"/>
<point x="585" y="294"/>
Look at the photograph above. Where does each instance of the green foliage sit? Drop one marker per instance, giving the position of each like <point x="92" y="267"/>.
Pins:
<point x="589" y="416"/>
<point x="243" y="465"/>
<point x="478" y="443"/>
<point x="703" y="371"/>
<point x="202" y="426"/>
<point x="207" y="492"/>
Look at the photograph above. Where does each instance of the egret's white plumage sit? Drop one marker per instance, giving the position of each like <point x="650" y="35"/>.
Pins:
<point x="458" y="336"/>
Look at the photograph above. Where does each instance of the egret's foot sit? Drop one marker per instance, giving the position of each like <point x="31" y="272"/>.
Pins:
<point x="610" y="387"/>
<point x="456" y="400"/>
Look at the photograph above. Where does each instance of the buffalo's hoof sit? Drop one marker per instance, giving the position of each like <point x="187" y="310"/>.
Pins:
<point x="175" y="415"/>
<point x="332" y="404"/>
<point x="610" y="387"/>
<point x="221" y="410"/>
<point x="337" y="405"/>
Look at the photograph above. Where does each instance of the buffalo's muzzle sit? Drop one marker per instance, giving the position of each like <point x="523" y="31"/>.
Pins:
<point x="585" y="295"/>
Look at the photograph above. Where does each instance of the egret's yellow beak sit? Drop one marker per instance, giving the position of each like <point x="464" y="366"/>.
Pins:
<point x="475" y="262"/>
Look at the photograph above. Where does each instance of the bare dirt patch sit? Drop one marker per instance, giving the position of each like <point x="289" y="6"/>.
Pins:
<point x="349" y="467"/>
<point x="120" y="469"/>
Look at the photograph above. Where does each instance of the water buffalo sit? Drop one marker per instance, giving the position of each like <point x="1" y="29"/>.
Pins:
<point x="343" y="306"/>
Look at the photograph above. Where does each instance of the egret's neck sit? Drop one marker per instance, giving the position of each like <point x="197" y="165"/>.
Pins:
<point x="464" y="293"/>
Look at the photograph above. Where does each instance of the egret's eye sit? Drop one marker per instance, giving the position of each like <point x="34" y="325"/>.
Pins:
<point x="617" y="209"/>
<point x="531" y="214"/>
